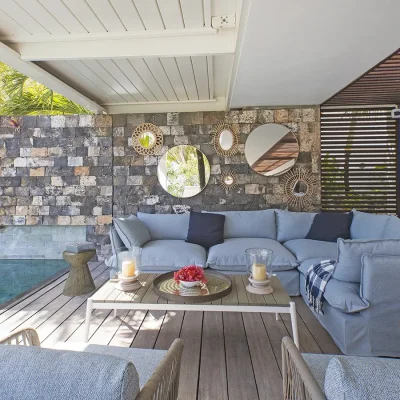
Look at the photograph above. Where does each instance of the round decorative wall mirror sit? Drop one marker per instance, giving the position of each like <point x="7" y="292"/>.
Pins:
<point x="228" y="180"/>
<point x="299" y="188"/>
<point x="147" y="139"/>
<point x="271" y="149"/>
<point x="226" y="139"/>
<point x="183" y="171"/>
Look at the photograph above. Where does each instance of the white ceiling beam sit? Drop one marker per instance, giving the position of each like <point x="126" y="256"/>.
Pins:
<point x="13" y="59"/>
<point x="135" y="46"/>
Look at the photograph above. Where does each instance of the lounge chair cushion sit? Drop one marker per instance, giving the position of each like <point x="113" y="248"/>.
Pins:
<point x="230" y="255"/>
<point x="168" y="255"/>
<point x="305" y="249"/>
<point x="144" y="360"/>
<point x="293" y="225"/>
<point x="42" y="374"/>
<point x="132" y="231"/>
<point x="166" y="226"/>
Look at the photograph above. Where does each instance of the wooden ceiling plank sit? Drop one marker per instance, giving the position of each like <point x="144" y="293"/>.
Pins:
<point x="174" y="76"/>
<point x="127" y="68"/>
<point x="63" y="14"/>
<point x="200" y="70"/>
<point x="186" y="71"/>
<point x="95" y="79"/>
<point x="150" y="14"/>
<point x="193" y="13"/>
<point x="148" y="78"/>
<point x="86" y="16"/>
<point x="22" y="17"/>
<point x="113" y="69"/>
<point x="40" y="14"/>
<point x="129" y="15"/>
<point x="107" y="15"/>
<point x="171" y="13"/>
<point x="156" y="68"/>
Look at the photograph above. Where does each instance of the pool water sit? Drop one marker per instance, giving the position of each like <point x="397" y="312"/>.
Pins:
<point x="19" y="276"/>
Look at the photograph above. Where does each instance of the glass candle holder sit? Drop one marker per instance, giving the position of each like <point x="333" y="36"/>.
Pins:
<point x="259" y="264"/>
<point x="128" y="262"/>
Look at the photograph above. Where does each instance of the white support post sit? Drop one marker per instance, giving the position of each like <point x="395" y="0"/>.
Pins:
<point x="277" y="316"/>
<point x="293" y="317"/>
<point x="87" y="321"/>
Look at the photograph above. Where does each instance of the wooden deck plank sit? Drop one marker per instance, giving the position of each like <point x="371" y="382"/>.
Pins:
<point x="149" y="330"/>
<point x="128" y="328"/>
<point x="170" y="329"/>
<point x="240" y="375"/>
<point x="212" y="383"/>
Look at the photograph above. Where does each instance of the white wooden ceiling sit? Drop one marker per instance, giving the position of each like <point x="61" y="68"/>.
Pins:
<point x="126" y="55"/>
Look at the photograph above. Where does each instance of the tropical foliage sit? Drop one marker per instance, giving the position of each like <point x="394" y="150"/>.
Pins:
<point x="20" y="95"/>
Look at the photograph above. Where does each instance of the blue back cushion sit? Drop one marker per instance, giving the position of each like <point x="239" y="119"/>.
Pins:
<point x="166" y="226"/>
<point x="368" y="226"/>
<point x="293" y="225"/>
<point x="249" y="224"/>
<point x="392" y="228"/>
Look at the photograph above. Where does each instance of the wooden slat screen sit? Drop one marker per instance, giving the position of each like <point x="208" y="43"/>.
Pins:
<point x="359" y="159"/>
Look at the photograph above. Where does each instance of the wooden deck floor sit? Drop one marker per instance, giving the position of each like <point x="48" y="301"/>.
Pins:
<point x="227" y="356"/>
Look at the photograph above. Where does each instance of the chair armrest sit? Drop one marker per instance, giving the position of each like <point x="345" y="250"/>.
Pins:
<point x="23" y="336"/>
<point x="380" y="277"/>
<point x="298" y="381"/>
<point x="164" y="382"/>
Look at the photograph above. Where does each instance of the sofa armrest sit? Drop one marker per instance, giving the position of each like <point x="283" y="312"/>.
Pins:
<point x="22" y="336"/>
<point x="380" y="277"/>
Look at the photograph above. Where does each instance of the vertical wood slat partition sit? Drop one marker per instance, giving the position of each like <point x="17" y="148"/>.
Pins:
<point x="359" y="162"/>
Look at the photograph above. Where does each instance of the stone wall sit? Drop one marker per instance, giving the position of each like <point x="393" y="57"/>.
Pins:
<point x="80" y="170"/>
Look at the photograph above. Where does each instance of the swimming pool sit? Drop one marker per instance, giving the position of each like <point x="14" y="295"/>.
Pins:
<point x="20" y="276"/>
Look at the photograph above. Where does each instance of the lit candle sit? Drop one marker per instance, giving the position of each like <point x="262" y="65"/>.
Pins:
<point x="128" y="269"/>
<point x="259" y="272"/>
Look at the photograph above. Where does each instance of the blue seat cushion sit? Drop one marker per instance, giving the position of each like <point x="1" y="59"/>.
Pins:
<point x="305" y="265"/>
<point x="144" y="360"/>
<point x="305" y="249"/>
<point x="368" y="226"/>
<point x="230" y="255"/>
<point x="168" y="255"/>
<point x="166" y="226"/>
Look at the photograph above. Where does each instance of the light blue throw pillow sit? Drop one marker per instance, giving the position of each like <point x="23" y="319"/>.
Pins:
<point x="392" y="228"/>
<point x="368" y="226"/>
<point x="132" y="231"/>
<point x="350" y="252"/>
<point x="249" y="224"/>
<point x="293" y="225"/>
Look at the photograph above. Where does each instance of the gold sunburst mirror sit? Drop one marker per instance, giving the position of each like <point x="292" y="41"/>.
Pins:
<point x="299" y="187"/>
<point x="228" y="180"/>
<point x="147" y="139"/>
<point x="226" y="139"/>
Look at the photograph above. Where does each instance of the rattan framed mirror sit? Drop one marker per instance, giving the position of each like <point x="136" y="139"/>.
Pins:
<point x="147" y="139"/>
<point x="226" y="139"/>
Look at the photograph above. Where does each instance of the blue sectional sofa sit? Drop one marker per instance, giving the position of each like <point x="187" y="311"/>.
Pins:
<point x="362" y="307"/>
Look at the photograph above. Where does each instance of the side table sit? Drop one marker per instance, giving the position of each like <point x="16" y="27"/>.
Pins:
<point x="79" y="281"/>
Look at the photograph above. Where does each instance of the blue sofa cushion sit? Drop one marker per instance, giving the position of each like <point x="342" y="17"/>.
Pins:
<point x="166" y="226"/>
<point x="305" y="249"/>
<point x="330" y="226"/>
<point x="230" y="255"/>
<point x="293" y="225"/>
<point x="245" y="224"/>
<point x="356" y="378"/>
<point x="305" y="265"/>
<point x="392" y="228"/>
<point x="206" y="229"/>
<point x="132" y="231"/>
<point x="42" y="374"/>
<point x="348" y="267"/>
<point x="168" y="255"/>
<point x="368" y="226"/>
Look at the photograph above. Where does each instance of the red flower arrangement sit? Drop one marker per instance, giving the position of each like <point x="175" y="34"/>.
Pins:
<point x="191" y="273"/>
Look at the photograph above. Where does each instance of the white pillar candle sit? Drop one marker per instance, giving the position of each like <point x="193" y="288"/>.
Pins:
<point x="259" y="272"/>
<point x="128" y="269"/>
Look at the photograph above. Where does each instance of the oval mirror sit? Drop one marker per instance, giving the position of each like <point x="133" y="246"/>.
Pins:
<point x="228" y="180"/>
<point x="226" y="139"/>
<point x="271" y="149"/>
<point x="147" y="140"/>
<point x="183" y="171"/>
<point x="300" y="188"/>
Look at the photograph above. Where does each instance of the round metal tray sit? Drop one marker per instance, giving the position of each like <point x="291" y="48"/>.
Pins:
<point x="218" y="285"/>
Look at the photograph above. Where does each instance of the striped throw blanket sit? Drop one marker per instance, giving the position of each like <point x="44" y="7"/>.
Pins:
<point x="318" y="276"/>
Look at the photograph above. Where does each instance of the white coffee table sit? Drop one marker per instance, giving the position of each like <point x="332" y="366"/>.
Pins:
<point x="238" y="300"/>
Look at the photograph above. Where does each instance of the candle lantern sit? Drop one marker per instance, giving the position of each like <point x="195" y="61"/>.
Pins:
<point x="128" y="268"/>
<point x="259" y="270"/>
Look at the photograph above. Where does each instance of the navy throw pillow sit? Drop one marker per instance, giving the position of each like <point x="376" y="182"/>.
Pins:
<point x="330" y="226"/>
<point x="206" y="229"/>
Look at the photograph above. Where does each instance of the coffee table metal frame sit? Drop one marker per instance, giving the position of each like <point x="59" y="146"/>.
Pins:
<point x="285" y="307"/>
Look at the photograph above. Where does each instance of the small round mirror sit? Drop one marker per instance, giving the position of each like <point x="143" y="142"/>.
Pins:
<point x="228" y="180"/>
<point x="147" y="140"/>
<point x="226" y="139"/>
<point x="300" y="188"/>
<point x="183" y="171"/>
<point x="271" y="149"/>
